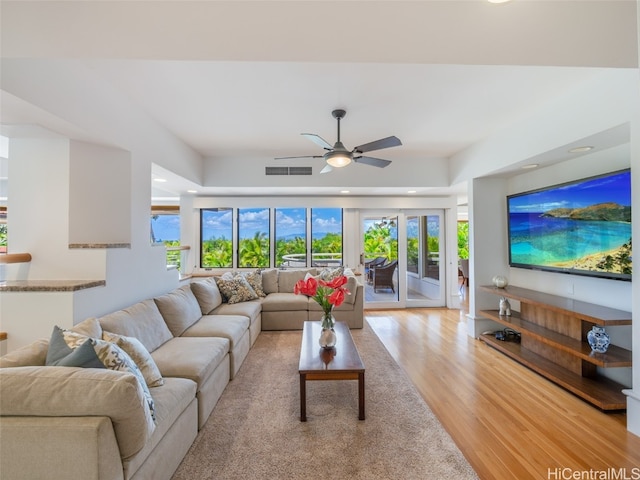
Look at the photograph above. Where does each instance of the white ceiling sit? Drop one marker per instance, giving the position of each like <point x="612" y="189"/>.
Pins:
<point x="239" y="81"/>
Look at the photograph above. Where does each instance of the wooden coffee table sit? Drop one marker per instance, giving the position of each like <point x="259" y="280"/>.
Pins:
<point x="340" y="363"/>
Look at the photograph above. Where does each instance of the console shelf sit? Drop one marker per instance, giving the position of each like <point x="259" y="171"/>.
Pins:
<point x="553" y="333"/>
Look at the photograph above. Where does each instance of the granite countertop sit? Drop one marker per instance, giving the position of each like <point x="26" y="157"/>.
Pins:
<point x="49" y="285"/>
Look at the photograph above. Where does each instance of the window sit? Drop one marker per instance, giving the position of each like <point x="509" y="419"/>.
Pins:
<point x="216" y="237"/>
<point x="326" y="237"/>
<point x="254" y="243"/>
<point x="291" y="237"/>
<point x="165" y="229"/>
<point x="253" y="237"/>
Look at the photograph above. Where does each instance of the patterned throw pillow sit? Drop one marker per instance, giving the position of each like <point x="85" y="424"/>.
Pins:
<point x="329" y="274"/>
<point x="115" y="358"/>
<point x="236" y="289"/>
<point x="72" y="349"/>
<point x="255" y="280"/>
<point x="140" y="355"/>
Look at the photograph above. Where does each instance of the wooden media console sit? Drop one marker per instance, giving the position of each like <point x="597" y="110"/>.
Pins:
<point x="553" y="342"/>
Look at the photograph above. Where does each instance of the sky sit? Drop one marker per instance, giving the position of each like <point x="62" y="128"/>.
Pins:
<point x="610" y="188"/>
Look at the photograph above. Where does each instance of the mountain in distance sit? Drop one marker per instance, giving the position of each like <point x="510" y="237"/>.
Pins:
<point x="608" y="212"/>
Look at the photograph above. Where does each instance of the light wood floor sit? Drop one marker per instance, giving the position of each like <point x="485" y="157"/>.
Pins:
<point x="509" y="422"/>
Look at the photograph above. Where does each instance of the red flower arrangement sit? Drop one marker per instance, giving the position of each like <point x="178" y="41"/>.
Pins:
<point x="328" y="294"/>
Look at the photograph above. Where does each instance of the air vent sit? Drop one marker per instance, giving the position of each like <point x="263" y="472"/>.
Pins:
<point x="300" y="171"/>
<point x="276" y="170"/>
<point x="288" y="171"/>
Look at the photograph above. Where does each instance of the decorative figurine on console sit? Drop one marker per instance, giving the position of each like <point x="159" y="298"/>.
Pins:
<point x="505" y="307"/>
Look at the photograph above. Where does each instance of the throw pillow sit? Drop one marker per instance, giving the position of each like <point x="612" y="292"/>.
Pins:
<point x="72" y="349"/>
<point x="114" y="358"/>
<point x="139" y="355"/>
<point x="236" y="289"/>
<point x="255" y="280"/>
<point x="329" y="274"/>
<point x="77" y="352"/>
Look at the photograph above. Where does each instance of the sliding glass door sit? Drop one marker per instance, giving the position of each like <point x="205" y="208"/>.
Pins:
<point x="425" y="268"/>
<point x="403" y="255"/>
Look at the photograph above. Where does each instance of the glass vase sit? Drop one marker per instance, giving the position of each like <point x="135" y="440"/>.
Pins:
<point x="328" y="336"/>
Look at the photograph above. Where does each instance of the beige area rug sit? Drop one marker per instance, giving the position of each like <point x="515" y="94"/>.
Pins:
<point x="255" y="432"/>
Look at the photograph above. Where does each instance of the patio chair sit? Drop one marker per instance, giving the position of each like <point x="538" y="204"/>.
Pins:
<point x="383" y="276"/>
<point x="376" y="262"/>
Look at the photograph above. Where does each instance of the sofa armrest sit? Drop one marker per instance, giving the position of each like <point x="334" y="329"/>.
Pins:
<point x="73" y="448"/>
<point x="79" y="392"/>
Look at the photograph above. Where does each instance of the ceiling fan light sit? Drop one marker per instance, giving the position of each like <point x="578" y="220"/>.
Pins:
<point x="338" y="159"/>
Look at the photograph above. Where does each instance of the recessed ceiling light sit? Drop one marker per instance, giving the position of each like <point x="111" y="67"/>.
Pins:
<point x="531" y="165"/>
<point x="160" y="180"/>
<point x="192" y="191"/>
<point x="344" y="191"/>
<point x="498" y="1"/>
<point x="411" y="191"/>
<point x="585" y="148"/>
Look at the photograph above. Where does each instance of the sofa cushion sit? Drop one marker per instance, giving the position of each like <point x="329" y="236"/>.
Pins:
<point x="179" y="308"/>
<point x="138" y="354"/>
<point x="207" y="293"/>
<point x="278" y="302"/>
<point x="142" y="321"/>
<point x="250" y="309"/>
<point x="352" y="286"/>
<point x="89" y="327"/>
<point x="269" y="280"/>
<point x="231" y="327"/>
<point x="287" y="279"/>
<point x="65" y="391"/>
<point x="204" y="356"/>
<point x="33" y="354"/>
<point x="236" y="289"/>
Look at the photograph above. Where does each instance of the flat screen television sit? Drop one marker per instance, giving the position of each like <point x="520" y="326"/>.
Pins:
<point x="581" y="227"/>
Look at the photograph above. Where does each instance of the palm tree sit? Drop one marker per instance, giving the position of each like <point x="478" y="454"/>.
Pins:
<point x="254" y="252"/>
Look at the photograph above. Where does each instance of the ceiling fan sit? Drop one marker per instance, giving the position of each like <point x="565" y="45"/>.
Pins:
<point x="338" y="156"/>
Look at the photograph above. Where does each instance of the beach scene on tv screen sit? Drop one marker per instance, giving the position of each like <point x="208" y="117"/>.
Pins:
<point x="581" y="227"/>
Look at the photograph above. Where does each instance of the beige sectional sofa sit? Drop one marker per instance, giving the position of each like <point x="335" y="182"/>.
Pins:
<point x="70" y="422"/>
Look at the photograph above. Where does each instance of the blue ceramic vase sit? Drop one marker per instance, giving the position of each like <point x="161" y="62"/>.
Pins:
<point x="598" y="339"/>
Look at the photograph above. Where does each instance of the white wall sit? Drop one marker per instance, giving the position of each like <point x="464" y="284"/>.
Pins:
<point x="95" y="214"/>
<point x="633" y="395"/>
<point x="38" y="214"/>
<point x="487" y="246"/>
<point x="39" y="223"/>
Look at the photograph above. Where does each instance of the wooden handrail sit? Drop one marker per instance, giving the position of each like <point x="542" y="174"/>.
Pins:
<point x="15" y="258"/>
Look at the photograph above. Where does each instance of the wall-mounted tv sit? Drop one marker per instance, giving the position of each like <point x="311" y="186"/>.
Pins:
<point x="581" y="227"/>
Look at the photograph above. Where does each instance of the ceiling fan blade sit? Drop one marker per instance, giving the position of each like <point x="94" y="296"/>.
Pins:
<point x="327" y="168"/>
<point x="378" y="144"/>
<point x="305" y="156"/>
<point x="375" y="162"/>
<point x="318" y="140"/>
